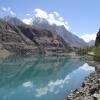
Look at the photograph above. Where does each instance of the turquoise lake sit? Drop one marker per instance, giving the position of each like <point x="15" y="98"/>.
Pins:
<point x="41" y="78"/>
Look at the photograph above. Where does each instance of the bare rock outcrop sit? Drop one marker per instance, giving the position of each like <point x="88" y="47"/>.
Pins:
<point x="24" y="39"/>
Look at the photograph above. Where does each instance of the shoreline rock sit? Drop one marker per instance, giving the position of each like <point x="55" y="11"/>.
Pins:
<point x="4" y="53"/>
<point x="90" y="88"/>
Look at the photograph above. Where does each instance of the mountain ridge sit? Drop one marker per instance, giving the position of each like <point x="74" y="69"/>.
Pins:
<point x="24" y="39"/>
<point x="21" y="38"/>
<point x="70" y="38"/>
<point x="42" y="23"/>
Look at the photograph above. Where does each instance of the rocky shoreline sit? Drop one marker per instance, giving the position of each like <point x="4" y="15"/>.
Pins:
<point x="90" y="88"/>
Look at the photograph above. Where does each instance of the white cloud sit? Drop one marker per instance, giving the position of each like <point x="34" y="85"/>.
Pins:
<point x="86" y="67"/>
<point x="88" y="37"/>
<point x="3" y="9"/>
<point x="55" y="86"/>
<point x="12" y="13"/>
<point x="27" y="84"/>
<point x="7" y="11"/>
<point x="52" y="86"/>
<point x="28" y="21"/>
<point x="40" y="13"/>
<point x="27" y="14"/>
<point x="61" y="19"/>
<point x="56" y="13"/>
<point x="53" y="18"/>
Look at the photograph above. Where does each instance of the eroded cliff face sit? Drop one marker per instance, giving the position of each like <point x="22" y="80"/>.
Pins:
<point x="26" y="39"/>
<point x="71" y="39"/>
<point x="97" y="43"/>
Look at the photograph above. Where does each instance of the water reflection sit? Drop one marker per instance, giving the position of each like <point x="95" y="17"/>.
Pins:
<point x="40" y="78"/>
<point x="16" y="70"/>
<point x="54" y="86"/>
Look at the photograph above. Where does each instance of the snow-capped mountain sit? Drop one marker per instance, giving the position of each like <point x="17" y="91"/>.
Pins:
<point x="91" y="43"/>
<point x="71" y="39"/>
<point x="13" y="20"/>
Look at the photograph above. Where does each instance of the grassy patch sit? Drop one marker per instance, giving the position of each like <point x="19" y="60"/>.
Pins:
<point x="96" y="50"/>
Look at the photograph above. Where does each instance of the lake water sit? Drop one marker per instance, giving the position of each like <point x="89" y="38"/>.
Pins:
<point x="40" y="78"/>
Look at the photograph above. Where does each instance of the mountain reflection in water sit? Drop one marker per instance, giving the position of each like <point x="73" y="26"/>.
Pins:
<point x="40" y="78"/>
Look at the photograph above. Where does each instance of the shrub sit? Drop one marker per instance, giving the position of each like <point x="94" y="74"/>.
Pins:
<point x="82" y="51"/>
<point x="96" y="50"/>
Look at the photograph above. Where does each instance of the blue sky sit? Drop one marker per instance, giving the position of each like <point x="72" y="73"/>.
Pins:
<point x="83" y="16"/>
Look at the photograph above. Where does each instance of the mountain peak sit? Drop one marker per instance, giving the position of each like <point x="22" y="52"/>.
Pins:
<point x="13" y="20"/>
<point x="91" y="43"/>
<point x="71" y="39"/>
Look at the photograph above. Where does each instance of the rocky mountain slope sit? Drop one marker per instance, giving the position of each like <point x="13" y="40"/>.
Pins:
<point x="24" y="39"/>
<point x="90" y="88"/>
<point x="13" y="20"/>
<point x="97" y="43"/>
<point x="71" y="39"/>
<point x="91" y="43"/>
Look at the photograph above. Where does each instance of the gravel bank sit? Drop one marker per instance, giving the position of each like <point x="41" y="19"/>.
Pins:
<point x="90" y="88"/>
